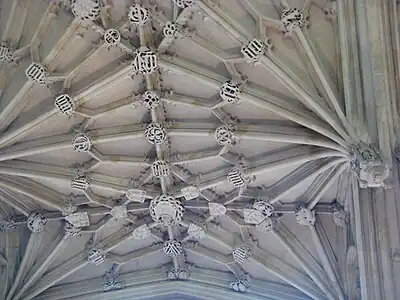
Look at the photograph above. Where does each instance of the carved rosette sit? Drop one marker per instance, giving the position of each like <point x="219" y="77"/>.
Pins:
<point x="173" y="248"/>
<point x="304" y="216"/>
<point x="119" y="212"/>
<point x="9" y="224"/>
<point x="80" y="182"/>
<point x="68" y="207"/>
<point x="37" y="73"/>
<point x="178" y="274"/>
<point x="241" y="253"/>
<point x="170" y="29"/>
<point x="196" y="232"/>
<point x="36" y="222"/>
<point x="266" y="225"/>
<point x="264" y="207"/>
<point x="111" y="281"/>
<point x="225" y="135"/>
<point x="190" y="192"/>
<point x="253" y="50"/>
<point x="145" y="62"/>
<point x="86" y="9"/>
<point x="291" y="19"/>
<point x="160" y="168"/>
<point x="112" y="37"/>
<point x="155" y="133"/>
<point x="96" y="257"/>
<point x="142" y="232"/>
<point x="139" y="15"/>
<point x="65" y="104"/>
<point x="230" y="91"/>
<point x="70" y="229"/>
<point x="82" y="143"/>
<point x="240" y="284"/>
<point x="184" y="3"/>
<point x="166" y="210"/>
<point x="6" y="53"/>
<point x="150" y="99"/>
<point x="237" y="176"/>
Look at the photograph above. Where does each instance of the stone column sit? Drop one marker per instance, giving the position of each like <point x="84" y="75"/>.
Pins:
<point x="368" y="46"/>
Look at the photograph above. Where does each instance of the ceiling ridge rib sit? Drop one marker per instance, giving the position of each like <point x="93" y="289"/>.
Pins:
<point x="181" y="66"/>
<point x="132" y="280"/>
<point x="301" y="283"/>
<point x="22" y="99"/>
<point x="277" y="68"/>
<point x="322" y="252"/>
<point x="321" y="187"/>
<point x="79" y="261"/>
<point x="60" y="142"/>
<point x="33" y="277"/>
<point x="54" y="203"/>
<point x="35" y="241"/>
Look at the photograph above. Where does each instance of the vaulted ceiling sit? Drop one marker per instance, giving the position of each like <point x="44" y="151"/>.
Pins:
<point x="160" y="149"/>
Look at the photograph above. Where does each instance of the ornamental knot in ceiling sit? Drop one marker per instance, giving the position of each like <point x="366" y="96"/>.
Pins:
<point x="150" y="99"/>
<point x="82" y="143"/>
<point x="139" y="15"/>
<point x="36" y="222"/>
<point x="71" y="230"/>
<point x="111" y="280"/>
<point x="340" y="217"/>
<point x="6" y="53"/>
<point x="86" y="9"/>
<point x="65" y="104"/>
<point x="230" y="91"/>
<point x="112" y="37"/>
<point x="266" y="208"/>
<point x="241" y="253"/>
<point x="8" y="224"/>
<point x="178" y="274"/>
<point x="331" y="9"/>
<point x="166" y="210"/>
<point x="253" y="50"/>
<point x="304" y="216"/>
<point x="184" y="3"/>
<point x="173" y="248"/>
<point x="225" y="135"/>
<point x="291" y="19"/>
<point x="142" y="232"/>
<point x="190" y="192"/>
<point x="78" y="219"/>
<point x="237" y="176"/>
<point x="240" y="284"/>
<point x="369" y="167"/>
<point x="216" y="209"/>
<point x="80" y="182"/>
<point x="170" y="29"/>
<point x="253" y="216"/>
<point x="155" y="133"/>
<point x="145" y="62"/>
<point x="266" y="225"/>
<point x="136" y="195"/>
<point x="258" y="213"/>
<point x="68" y="207"/>
<point x="96" y="257"/>
<point x="119" y="212"/>
<point x="37" y="73"/>
<point x="160" y="168"/>
<point x="196" y="232"/>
